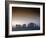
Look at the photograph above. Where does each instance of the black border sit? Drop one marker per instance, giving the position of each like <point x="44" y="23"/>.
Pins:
<point x="7" y="18"/>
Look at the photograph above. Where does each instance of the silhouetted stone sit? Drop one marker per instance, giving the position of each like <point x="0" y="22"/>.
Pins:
<point x="31" y="26"/>
<point x="37" y="27"/>
<point x="24" y="25"/>
<point x="18" y="27"/>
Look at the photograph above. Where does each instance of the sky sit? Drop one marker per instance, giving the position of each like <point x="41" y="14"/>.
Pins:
<point x="23" y="15"/>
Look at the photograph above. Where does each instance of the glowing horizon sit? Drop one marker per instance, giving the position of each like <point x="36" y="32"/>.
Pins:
<point x="25" y="15"/>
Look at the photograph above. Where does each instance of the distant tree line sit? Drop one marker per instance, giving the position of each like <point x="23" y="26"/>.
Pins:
<point x="31" y="26"/>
